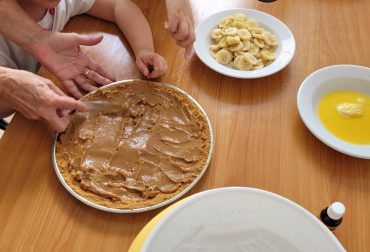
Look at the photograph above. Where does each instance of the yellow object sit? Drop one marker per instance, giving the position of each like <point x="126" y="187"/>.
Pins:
<point x="346" y="114"/>
<point x="138" y="243"/>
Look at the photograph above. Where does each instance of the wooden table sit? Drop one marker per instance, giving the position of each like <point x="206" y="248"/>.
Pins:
<point x="260" y="140"/>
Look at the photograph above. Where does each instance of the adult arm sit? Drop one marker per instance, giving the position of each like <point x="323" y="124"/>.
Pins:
<point x="35" y="97"/>
<point x="59" y="52"/>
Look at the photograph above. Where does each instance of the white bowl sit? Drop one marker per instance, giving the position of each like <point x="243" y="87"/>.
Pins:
<point x="284" y="51"/>
<point x="240" y="219"/>
<point x="143" y="209"/>
<point x="322" y="82"/>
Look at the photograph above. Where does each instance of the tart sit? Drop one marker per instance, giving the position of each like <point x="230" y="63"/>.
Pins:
<point x="142" y="154"/>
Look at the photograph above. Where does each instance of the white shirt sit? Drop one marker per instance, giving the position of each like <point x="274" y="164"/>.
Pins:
<point x="13" y="56"/>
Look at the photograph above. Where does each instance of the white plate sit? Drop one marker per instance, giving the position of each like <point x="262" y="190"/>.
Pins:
<point x="322" y="82"/>
<point x="144" y="209"/>
<point x="284" y="51"/>
<point x="240" y="219"/>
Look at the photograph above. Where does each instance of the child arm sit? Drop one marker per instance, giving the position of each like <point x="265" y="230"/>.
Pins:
<point x="136" y="29"/>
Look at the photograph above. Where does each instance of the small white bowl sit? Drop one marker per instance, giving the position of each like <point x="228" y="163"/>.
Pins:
<point x="284" y="51"/>
<point x="319" y="84"/>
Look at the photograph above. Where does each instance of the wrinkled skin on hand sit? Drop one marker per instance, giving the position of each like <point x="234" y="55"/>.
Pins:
<point x="60" y="53"/>
<point x="36" y="97"/>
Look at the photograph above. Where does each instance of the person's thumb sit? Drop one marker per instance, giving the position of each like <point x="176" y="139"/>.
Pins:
<point x="142" y="67"/>
<point x="58" y="123"/>
<point x="88" y="40"/>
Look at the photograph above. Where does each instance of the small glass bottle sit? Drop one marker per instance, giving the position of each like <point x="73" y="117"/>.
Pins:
<point x="332" y="216"/>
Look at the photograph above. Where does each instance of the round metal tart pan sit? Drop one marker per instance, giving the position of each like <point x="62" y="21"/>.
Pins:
<point x="143" y="209"/>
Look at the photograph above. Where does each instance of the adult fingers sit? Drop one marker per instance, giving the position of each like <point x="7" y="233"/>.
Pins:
<point x="57" y="123"/>
<point x="88" y="40"/>
<point x="72" y="88"/>
<point x="97" y="78"/>
<point x="84" y="84"/>
<point x="63" y="112"/>
<point x="65" y="102"/>
<point x="97" y="68"/>
<point x="53" y="87"/>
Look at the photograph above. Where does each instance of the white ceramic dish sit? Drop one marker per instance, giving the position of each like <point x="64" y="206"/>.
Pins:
<point x="144" y="209"/>
<point x="322" y="82"/>
<point x="284" y="51"/>
<point x="240" y="219"/>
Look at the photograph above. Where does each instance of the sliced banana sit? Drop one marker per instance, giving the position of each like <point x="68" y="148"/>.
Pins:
<point x="266" y="55"/>
<point x="216" y="34"/>
<point x="241" y="43"/>
<point x="251" y="23"/>
<point x="237" y="53"/>
<point x="242" y="63"/>
<point x="222" y="43"/>
<point x="253" y="49"/>
<point x="214" y="47"/>
<point x="226" y="22"/>
<point x="213" y="53"/>
<point x="251" y="59"/>
<point x="231" y="31"/>
<point x="247" y="45"/>
<point x="240" y="16"/>
<point x="239" y="24"/>
<point x="259" y="42"/>
<point x="233" y="40"/>
<point x="244" y="34"/>
<point x="258" y="66"/>
<point x="270" y="39"/>
<point x="224" y="57"/>
<point x="237" y="47"/>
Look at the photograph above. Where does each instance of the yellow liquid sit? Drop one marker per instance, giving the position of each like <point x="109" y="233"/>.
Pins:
<point x="356" y="129"/>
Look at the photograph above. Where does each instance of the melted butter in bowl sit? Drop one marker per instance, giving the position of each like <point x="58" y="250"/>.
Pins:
<point x="148" y="153"/>
<point x="333" y="104"/>
<point x="346" y="114"/>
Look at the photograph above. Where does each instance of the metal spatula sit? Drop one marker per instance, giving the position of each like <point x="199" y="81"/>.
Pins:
<point x="104" y="106"/>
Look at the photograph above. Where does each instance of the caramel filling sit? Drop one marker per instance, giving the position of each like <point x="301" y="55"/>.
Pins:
<point x="152" y="146"/>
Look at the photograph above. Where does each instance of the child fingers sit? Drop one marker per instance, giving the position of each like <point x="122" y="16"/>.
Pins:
<point x="182" y="32"/>
<point x="171" y="25"/>
<point x="142" y="67"/>
<point x="189" y="40"/>
<point x="160" y="67"/>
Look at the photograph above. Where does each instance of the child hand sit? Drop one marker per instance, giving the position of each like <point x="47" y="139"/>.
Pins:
<point x="150" y="64"/>
<point x="180" y="24"/>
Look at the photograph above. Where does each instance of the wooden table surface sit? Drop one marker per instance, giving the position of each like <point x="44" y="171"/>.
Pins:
<point x="260" y="140"/>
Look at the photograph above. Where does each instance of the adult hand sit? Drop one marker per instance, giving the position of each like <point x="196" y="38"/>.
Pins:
<point x="60" y="53"/>
<point x="145" y="60"/>
<point x="36" y="97"/>
<point x="180" y="24"/>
